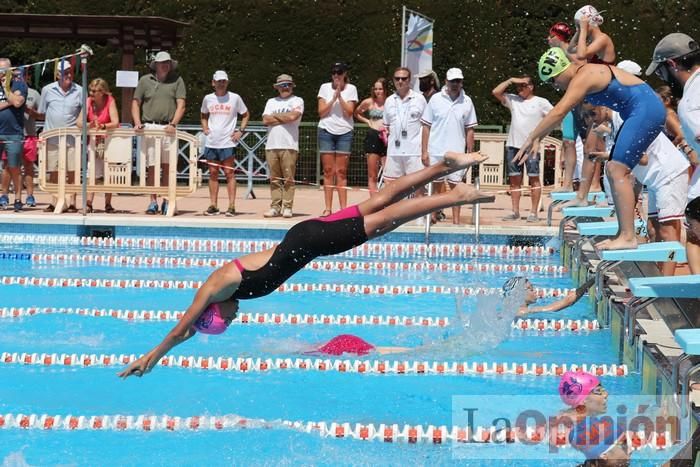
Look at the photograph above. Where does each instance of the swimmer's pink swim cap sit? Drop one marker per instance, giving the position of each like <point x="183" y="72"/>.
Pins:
<point x="210" y="321"/>
<point x="575" y="386"/>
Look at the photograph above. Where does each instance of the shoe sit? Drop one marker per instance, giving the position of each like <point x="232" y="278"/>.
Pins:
<point x="271" y="213"/>
<point x="4" y="201"/>
<point x="50" y="208"/>
<point x="231" y="211"/>
<point x="71" y="209"/>
<point x="88" y="208"/>
<point x="287" y="213"/>
<point x="533" y="218"/>
<point x="212" y="211"/>
<point x="164" y="207"/>
<point x="441" y="216"/>
<point x="511" y="217"/>
<point x="30" y="201"/>
<point x="152" y="208"/>
<point x="109" y="209"/>
<point x="18" y="205"/>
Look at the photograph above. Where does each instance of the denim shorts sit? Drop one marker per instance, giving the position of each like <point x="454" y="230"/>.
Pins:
<point x="13" y="146"/>
<point x="218" y="154"/>
<point x="340" y="144"/>
<point x="532" y="164"/>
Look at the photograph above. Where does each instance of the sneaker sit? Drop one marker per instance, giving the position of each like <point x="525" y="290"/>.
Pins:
<point x="212" y="211"/>
<point x="287" y="213"/>
<point x="511" y="217"/>
<point x="18" y="205"/>
<point x="231" y="211"/>
<point x="271" y="213"/>
<point x="164" y="207"/>
<point x="4" y="201"/>
<point x="30" y="201"/>
<point x="533" y="218"/>
<point x="152" y="208"/>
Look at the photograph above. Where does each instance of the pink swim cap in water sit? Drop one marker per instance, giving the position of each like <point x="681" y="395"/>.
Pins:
<point x="346" y="343"/>
<point x="575" y="386"/>
<point x="210" y="321"/>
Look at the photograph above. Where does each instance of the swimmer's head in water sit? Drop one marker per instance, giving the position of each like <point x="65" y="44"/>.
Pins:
<point x="594" y="17"/>
<point x="575" y="386"/>
<point x="552" y="63"/>
<point x="216" y="317"/>
<point x="562" y="31"/>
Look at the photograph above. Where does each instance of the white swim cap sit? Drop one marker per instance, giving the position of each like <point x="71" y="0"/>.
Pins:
<point x="595" y="18"/>
<point x="630" y="67"/>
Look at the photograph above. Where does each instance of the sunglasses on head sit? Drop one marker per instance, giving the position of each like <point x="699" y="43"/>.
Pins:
<point x="401" y="78"/>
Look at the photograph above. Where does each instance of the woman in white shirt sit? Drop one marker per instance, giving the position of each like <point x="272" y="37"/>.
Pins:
<point x="336" y="105"/>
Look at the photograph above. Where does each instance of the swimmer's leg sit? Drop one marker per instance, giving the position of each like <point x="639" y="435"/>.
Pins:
<point x="406" y="210"/>
<point x="404" y="186"/>
<point x="622" y="184"/>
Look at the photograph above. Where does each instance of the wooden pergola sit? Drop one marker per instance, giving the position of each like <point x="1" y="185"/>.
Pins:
<point x="125" y="32"/>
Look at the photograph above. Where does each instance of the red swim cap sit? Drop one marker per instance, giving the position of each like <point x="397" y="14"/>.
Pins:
<point x="562" y="30"/>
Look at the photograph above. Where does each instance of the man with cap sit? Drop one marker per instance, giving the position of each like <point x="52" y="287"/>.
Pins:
<point x="527" y="111"/>
<point x="448" y="125"/>
<point x="159" y="104"/>
<point x="428" y="83"/>
<point x="676" y="61"/>
<point x="60" y="104"/>
<point x="13" y="94"/>
<point x="219" y="114"/>
<point x="282" y="116"/>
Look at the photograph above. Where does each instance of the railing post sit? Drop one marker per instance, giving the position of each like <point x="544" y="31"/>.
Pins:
<point x="476" y="209"/>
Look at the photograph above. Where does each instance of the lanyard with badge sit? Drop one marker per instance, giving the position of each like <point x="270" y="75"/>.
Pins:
<point x="403" y="122"/>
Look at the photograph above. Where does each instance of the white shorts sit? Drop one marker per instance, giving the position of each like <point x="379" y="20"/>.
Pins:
<point x="52" y="154"/>
<point x="398" y="166"/>
<point x="454" y="177"/>
<point x="151" y="145"/>
<point x="668" y="202"/>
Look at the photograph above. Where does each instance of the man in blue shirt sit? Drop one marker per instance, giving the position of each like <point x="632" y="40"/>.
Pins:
<point x="13" y="93"/>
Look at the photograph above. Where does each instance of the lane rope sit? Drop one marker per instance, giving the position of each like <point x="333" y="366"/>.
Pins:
<point x="380" y="432"/>
<point x="363" y="366"/>
<point x="362" y="289"/>
<point x="295" y="318"/>
<point x="401" y="249"/>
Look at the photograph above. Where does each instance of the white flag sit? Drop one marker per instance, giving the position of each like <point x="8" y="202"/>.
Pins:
<point x="418" y="44"/>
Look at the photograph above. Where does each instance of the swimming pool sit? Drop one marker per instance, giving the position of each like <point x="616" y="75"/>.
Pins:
<point x="73" y="310"/>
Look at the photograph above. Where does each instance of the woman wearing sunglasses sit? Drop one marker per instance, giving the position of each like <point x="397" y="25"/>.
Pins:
<point x="639" y="107"/>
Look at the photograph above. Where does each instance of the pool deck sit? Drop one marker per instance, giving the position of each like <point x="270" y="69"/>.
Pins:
<point x="308" y="203"/>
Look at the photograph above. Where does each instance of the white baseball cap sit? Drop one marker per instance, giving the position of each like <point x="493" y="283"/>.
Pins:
<point x="454" y="73"/>
<point x="220" y="75"/>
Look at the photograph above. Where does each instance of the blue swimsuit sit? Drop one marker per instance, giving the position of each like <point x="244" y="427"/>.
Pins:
<point x="643" y="113"/>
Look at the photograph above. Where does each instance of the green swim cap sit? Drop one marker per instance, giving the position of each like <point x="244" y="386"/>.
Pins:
<point x="552" y="63"/>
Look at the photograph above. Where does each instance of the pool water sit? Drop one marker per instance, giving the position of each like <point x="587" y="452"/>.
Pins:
<point x="276" y="395"/>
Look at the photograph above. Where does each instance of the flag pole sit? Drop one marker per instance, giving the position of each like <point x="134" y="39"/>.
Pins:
<point x="403" y="36"/>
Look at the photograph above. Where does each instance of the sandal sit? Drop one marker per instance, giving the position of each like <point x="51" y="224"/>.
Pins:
<point x="326" y="213"/>
<point x="50" y="208"/>
<point x="71" y="209"/>
<point x="88" y="208"/>
<point x="109" y="209"/>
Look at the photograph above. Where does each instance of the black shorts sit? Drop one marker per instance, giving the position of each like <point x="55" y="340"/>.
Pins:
<point x="373" y="143"/>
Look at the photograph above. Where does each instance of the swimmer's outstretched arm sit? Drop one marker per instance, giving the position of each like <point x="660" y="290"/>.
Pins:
<point x="571" y="298"/>
<point x="218" y="287"/>
<point x="390" y="350"/>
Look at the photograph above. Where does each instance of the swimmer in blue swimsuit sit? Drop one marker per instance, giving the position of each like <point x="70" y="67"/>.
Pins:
<point x="254" y="275"/>
<point x="640" y="108"/>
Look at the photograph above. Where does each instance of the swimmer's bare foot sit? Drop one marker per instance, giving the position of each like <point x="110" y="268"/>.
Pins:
<point x="574" y="203"/>
<point x="462" y="160"/>
<point x="617" y="243"/>
<point x="467" y="194"/>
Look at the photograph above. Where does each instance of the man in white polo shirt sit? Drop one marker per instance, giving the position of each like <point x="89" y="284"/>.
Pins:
<point x="402" y="113"/>
<point x="527" y="110"/>
<point x="448" y="125"/>
<point x="676" y="60"/>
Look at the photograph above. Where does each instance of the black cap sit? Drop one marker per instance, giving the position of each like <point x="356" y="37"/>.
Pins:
<point x="340" y="66"/>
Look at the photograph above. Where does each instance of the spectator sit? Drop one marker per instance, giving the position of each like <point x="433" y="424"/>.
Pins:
<point x="282" y="116"/>
<point x="61" y="103"/>
<point x="428" y="83"/>
<point x="13" y="94"/>
<point x="448" y="125"/>
<point x="159" y="104"/>
<point x="219" y="112"/>
<point x="589" y="42"/>
<point x="371" y="112"/>
<point x="676" y="61"/>
<point x="102" y="114"/>
<point x="402" y="113"/>
<point x="336" y="105"/>
<point x="527" y="110"/>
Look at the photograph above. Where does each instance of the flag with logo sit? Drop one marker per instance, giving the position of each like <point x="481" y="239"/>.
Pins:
<point x="417" y="46"/>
